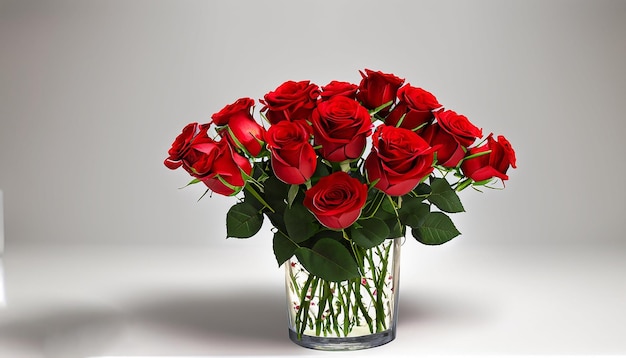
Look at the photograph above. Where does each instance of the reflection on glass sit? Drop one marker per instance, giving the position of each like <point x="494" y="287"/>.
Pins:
<point x="3" y="300"/>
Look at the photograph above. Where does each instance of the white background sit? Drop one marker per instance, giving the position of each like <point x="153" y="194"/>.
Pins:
<point x="92" y="93"/>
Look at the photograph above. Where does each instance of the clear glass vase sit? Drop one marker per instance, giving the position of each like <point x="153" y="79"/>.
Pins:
<point x="348" y="315"/>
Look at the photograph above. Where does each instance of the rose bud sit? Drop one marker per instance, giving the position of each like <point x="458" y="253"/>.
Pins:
<point x="290" y="101"/>
<point x="416" y="105"/>
<point x="292" y="155"/>
<point x="377" y="88"/>
<point x="341" y="126"/>
<point x="491" y="165"/>
<point x="399" y="160"/>
<point x="336" y="200"/>
<point x="237" y="125"/>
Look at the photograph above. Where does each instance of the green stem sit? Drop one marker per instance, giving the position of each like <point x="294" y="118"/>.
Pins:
<point x="311" y="319"/>
<point x="321" y="305"/>
<point x="378" y="305"/>
<point x="384" y="257"/>
<point x="359" y="303"/>
<point x="346" y="310"/>
<point x="303" y="309"/>
<point x="331" y="310"/>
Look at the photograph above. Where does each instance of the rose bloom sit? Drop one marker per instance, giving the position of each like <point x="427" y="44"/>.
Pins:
<point x="244" y="131"/>
<point x="377" y="88"/>
<point x="458" y="126"/>
<point x="216" y="164"/>
<point x="338" y="88"/>
<point x="399" y="160"/>
<point x="226" y="176"/>
<point x="191" y="145"/>
<point x="449" y="150"/>
<point x="290" y="101"/>
<point x="492" y="165"/>
<point x="416" y="105"/>
<point x="293" y="158"/>
<point x="341" y="126"/>
<point x="336" y="200"/>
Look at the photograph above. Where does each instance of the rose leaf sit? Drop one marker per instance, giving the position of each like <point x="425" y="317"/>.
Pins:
<point x="369" y="233"/>
<point x="329" y="260"/>
<point x="243" y="220"/>
<point x="436" y="229"/>
<point x="283" y="247"/>
<point x="444" y="197"/>
<point x="299" y="222"/>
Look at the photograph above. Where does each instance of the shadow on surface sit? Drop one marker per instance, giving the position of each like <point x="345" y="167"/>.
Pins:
<point x="60" y="332"/>
<point x="247" y="321"/>
<point x="424" y="309"/>
<point x="251" y="321"/>
<point x="174" y="322"/>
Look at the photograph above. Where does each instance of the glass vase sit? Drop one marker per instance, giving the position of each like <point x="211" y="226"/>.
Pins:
<point x="348" y="315"/>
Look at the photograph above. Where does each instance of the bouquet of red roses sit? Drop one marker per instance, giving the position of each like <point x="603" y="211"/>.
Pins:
<point x="342" y="167"/>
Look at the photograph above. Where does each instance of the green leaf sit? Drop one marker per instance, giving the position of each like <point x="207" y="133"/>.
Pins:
<point x="368" y="233"/>
<point x="329" y="260"/>
<point x="386" y="210"/>
<point x="283" y="247"/>
<point x="422" y="190"/>
<point x="291" y="195"/>
<point x="277" y="220"/>
<point x="444" y="197"/>
<point x="275" y="193"/>
<point x="413" y="211"/>
<point x="300" y="223"/>
<point x="436" y="229"/>
<point x="396" y="229"/>
<point x="387" y="214"/>
<point x="243" y="220"/>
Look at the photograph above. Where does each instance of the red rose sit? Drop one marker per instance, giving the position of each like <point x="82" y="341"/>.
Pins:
<point x="494" y="164"/>
<point x="341" y="126"/>
<point x="191" y="146"/>
<point x="377" y="88"/>
<point x="337" y="88"/>
<point x="239" y="127"/>
<point x="449" y="150"/>
<point x="458" y="126"/>
<point x="214" y="163"/>
<point x="399" y="160"/>
<point x="226" y="176"/>
<point x="416" y="105"/>
<point x="290" y="101"/>
<point x="293" y="157"/>
<point x="240" y="107"/>
<point x="336" y="200"/>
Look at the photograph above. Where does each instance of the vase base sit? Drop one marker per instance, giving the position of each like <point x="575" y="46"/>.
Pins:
<point x="343" y="343"/>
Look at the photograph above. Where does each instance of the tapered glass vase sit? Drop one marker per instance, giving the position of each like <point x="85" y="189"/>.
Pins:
<point x="348" y="315"/>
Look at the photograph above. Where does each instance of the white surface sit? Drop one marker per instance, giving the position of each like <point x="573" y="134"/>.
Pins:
<point x="1" y="222"/>
<point x="3" y="300"/>
<point x="89" y="301"/>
